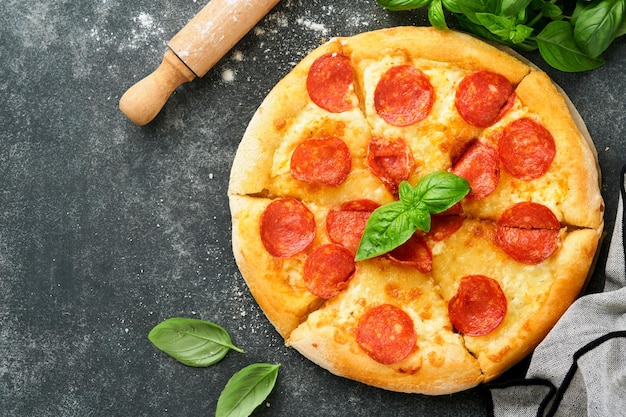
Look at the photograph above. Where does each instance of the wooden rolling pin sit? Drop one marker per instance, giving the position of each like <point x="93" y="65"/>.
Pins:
<point x="192" y="52"/>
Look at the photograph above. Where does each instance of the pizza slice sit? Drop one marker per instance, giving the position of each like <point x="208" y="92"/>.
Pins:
<point x="389" y="328"/>
<point x="504" y="306"/>
<point x="543" y="155"/>
<point x="295" y="255"/>
<point x="270" y="247"/>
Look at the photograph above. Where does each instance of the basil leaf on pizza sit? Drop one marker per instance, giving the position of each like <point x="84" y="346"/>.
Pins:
<point x="392" y="224"/>
<point x="193" y="342"/>
<point x="440" y="190"/>
<point x="388" y="227"/>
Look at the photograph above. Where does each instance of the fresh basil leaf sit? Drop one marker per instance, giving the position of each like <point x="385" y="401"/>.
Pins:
<point x="513" y="7"/>
<point x="246" y="390"/>
<point x="527" y="45"/>
<point x="505" y="27"/>
<point x="407" y="194"/>
<point x="397" y="5"/>
<point x="500" y="26"/>
<point x="558" y="48"/>
<point x="392" y="224"/>
<point x="440" y="190"/>
<point x="552" y="11"/>
<point x="436" y="16"/>
<point x="520" y="34"/>
<point x="469" y="8"/>
<point x="621" y="30"/>
<point x="537" y="4"/>
<point x="580" y="6"/>
<point x="192" y="342"/>
<point x="389" y="226"/>
<point x="597" y="25"/>
<point x="420" y="216"/>
<point x="451" y="6"/>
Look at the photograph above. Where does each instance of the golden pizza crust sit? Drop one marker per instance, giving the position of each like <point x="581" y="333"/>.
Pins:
<point x="324" y="330"/>
<point x="427" y="43"/>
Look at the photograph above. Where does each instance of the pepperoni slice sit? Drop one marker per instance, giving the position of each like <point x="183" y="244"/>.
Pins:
<point x="526" y="149"/>
<point x="529" y="215"/>
<point x="414" y="253"/>
<point x="345" y="225"/>
<point x="386" y="333"/>
<point x="480" y="166"/>
<point x="483" y="97"/>
<point x="329" y="82"/>
<point x="478" y="307"/>
<point x="442" y="227"/>
<point x="528" y="232"/>
<point x="287" y="227"/>
<point x="327" y="270"/>
<point x="390" y="160"/>
<point x="403" y="96"/>
<point x="323" y="161"/>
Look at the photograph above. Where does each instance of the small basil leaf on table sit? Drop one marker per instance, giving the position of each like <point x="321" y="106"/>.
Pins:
<point x="246" y="390"/>
<point x="392" y="224"/>
<point x="193" y="342"/>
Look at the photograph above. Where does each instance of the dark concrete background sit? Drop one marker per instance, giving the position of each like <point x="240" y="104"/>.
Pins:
<point x="107" y="229"/>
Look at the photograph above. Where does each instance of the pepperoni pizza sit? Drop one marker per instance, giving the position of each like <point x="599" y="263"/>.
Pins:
<point x="452" y="307"/>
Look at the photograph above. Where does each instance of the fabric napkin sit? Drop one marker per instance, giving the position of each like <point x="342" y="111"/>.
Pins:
<point x="579" y="369"/>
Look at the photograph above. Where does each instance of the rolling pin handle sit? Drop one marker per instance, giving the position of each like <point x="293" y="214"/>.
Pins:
<point x="144" y="100"/>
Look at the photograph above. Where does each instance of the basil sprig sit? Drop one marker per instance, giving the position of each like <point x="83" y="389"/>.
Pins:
<point x="246" y="390"/>
<point x="392" y="224"/>
<point x="570" y="43"/>
<point x="192" y="342"/>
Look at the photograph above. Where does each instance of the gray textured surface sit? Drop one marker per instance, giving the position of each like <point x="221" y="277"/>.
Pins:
<point x="106" y="228"/>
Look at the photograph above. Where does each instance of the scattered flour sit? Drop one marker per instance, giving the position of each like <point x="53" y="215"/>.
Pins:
<point x="228" y="75"/>
<point x="146" y="31"/>
<point x="145" y="20"/>
<point x="238" y="56"/>
<point x="312" y="25"/>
